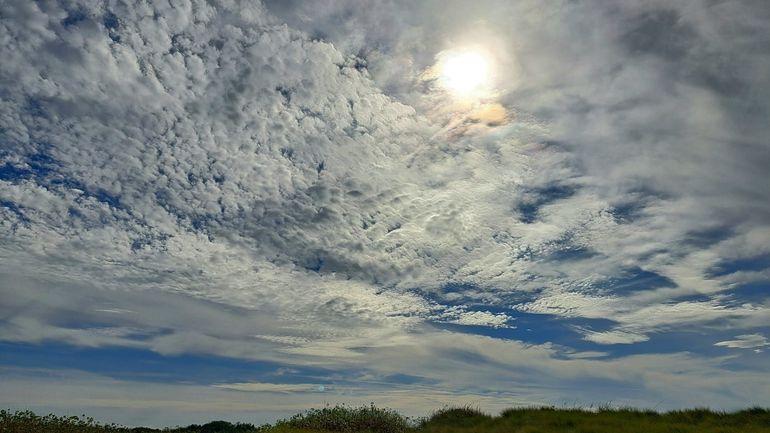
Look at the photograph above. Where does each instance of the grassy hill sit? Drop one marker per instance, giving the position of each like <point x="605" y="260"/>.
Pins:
<point x="371" y="419"/>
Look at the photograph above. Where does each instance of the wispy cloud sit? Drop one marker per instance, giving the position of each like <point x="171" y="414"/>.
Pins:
<point x="748" y="341"/>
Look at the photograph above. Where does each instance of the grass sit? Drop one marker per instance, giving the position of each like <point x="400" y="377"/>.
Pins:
<point x="370" y="419"/>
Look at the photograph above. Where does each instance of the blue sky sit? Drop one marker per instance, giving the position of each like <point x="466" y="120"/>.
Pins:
<point x="240" y="210"/>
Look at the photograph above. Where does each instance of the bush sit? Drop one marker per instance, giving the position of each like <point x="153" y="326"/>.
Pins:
<point x="348" y="420"/>
<point x="519" y="411"/>
<point x="220" y="427"/>
<point x="369" y="419"/>
<point x="28" y="422"/>
<point x="462" y="415"/>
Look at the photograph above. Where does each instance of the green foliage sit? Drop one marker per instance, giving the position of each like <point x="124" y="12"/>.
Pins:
<point x="457" y="416"/>
<point x="217" y="427"/>
<point x="604" y="419"/>
<point x="465" y="419"/>
<point x="28" y="422"/>
<point x="347" y="420"/>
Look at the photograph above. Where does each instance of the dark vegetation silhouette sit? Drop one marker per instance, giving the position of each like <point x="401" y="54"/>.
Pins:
<point x="465" y="419"/>
<point x="346" y="419"/>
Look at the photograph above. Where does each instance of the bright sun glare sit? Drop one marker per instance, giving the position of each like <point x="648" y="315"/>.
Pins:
<point x="465" y="72"/>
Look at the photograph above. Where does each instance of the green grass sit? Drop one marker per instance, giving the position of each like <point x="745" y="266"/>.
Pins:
<point x="370" y="419"/>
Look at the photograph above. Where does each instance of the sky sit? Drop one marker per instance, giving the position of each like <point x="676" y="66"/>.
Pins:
<point x="240" y="210"/>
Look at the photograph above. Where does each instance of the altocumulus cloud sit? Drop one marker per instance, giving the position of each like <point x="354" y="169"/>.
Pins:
<point x="276" y="183"/>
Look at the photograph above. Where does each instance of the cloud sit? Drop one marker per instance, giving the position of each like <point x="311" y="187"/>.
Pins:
<point x="269" y="387"/>
<point x="616" y="336"/>
<point x="748" y="341"/>
<point x="490" y="372"/>
<point x="482" y="318"/>
<point x="275" y="182"/>
<point x="127" y="402"/>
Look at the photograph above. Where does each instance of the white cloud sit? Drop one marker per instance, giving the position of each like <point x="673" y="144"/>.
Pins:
<point x="491" y="373"/>
<point x="615" y="336"/>
<point x="586" y="355"/>
<point x="269" y="387"/>
<point x="259" y="172"/>
<point x="205" y="178"/>
<point x="624" y="113"/>
<point x="747" y="341"/>
<point x="482" y="318"/>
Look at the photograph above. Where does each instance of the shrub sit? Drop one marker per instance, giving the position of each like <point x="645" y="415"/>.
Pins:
<point x="696" y="415"/>
<point x="28" y="422"/>
<point x="462" y="415"/>
<point x="348" y="420"/>
<point x="219" y="427"/>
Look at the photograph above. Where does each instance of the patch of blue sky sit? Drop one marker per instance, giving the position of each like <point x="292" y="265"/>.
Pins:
<point x="636" y="279"/>
<point x="707" y="237"/>
<point x="74" y="17"/>
<point x="692" y="340"/>
<point x="536" y="329"/>
<point x="749" y="359"/>
<point x="111" y="21"/>
<point x="568" y="333"/>
<point x="15" y="209"/>
<point x="36" y="165"/>
<point x="107" y="198"/>
<point x="697" y="340"/>
<point x="43" y="169"/>
<point x="34" y="107"/>
<point x="531" y="328"/>
<point x="14" y="173"/>
<point x="757" y="292"/>
<point x="144" y="365"/>
<point x="756" y="263"/>
<point x="541" y="196"/>
<point x="628" y="211"/>
<point x="571" y="253"/>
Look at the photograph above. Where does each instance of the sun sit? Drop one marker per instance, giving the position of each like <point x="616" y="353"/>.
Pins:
<point x="464" y="72"/>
